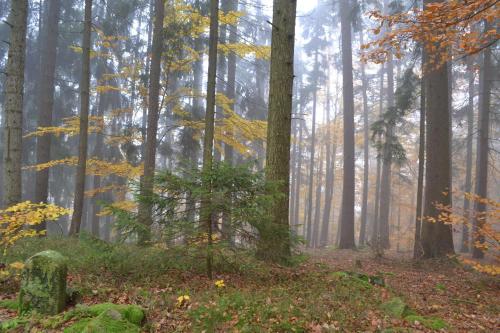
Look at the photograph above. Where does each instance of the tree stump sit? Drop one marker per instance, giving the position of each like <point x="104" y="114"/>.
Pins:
<point x="43" y="283"/>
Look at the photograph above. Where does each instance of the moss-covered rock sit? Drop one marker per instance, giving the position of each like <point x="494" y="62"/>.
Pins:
<point x="397" y="308"/>
<point x="107" y="317"/>
<point x="43" y="283"/>
<point x="132" y="313"/>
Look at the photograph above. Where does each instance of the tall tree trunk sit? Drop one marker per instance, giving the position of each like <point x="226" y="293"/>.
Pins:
<point x="481" y="190"/>
<point x="298" y="180"/>
<point x="146" y="82"/>
<point x="76" y="219"/>
<point x="437" y="238"/>
<point x="317" y="199"/>
<point x="331" y="154"/>
<point x="468" y="164"/>
<point x="375" y="226"/>
<point x="313" y="156"/>
<point x="13" y="107"/>
<point x="208" y="141"/>
<point x="145" y="209"/>
<point x="386" y="180"/>
<point x="417" y="246"/>
<point x="231" y="94"/>
<point x="274" y="240"/>
<point x="347" y="213"/>
<point x="366" y="152"/>
<point x="46" y="98"/>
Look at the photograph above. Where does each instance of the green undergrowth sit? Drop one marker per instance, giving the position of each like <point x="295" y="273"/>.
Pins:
<point x="397" y="308"/>
<point x="336" y="299"/>
<point x="92" y="257"/>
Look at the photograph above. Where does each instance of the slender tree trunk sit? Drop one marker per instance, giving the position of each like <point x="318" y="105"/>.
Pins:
<point x="468" y="164"/>
<point x="13" y="107"/>
<point x="481" y="190"/>
<point x="231" y="94"/>
<point x="274" y="242"/>
<point x="46" y="98"/>
<point x="298" y="181"/>
<point x="417" y="246"/>
<point x="76" y="219"/>
<point x="347" y="213"/>
<point x="98" y="154"/>
<point x="208" y="143"/>
<point x="375" y="227"/>
<point x="146" y="82"/>
<point x="386" y="180"/>
<point x="145" y="209"/>
<point x="311" y="160"/>
<point x="437" y="238"/>
<point x="366" y="152"/>
<point x="317" y="199"/>
<point x="330" y="174"/>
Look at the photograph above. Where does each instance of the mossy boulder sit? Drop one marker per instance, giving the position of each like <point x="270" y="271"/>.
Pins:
<point x="43" y="283"/>
<point x="107" y="317"/>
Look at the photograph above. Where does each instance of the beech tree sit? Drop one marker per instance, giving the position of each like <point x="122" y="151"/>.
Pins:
<point x="346" y="240"/>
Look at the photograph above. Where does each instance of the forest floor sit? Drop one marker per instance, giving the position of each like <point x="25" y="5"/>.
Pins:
<point x="329" y="291"/>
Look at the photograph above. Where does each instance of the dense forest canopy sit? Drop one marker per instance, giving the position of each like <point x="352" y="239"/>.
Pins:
<point x="252" y="126"/>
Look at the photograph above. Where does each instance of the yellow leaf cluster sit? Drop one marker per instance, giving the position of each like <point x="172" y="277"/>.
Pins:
<point x="96" y="167"/>
<point x="14" y="219"/>
<point x="129" y="206"/>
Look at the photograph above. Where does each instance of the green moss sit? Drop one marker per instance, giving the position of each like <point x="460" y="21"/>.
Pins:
<point x="397" y="308"/>
<point x="11" y="324"/>
<point x="132" y="313"/>
<point x="11" y="304"/>
<point x="429" y="322"/>
<point x="111" y="319"/>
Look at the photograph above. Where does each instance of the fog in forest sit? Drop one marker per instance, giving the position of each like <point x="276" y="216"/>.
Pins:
<point x="325" y="143"/>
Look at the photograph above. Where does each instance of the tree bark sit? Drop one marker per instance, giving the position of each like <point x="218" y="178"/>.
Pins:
<point x="145" y="209"/>
<point x="46" y="98"/>
<point x="13" y="107"/>
<point x="76" y="219"/>
<point x="347" y="212"/>
<point x="274" y="242"/>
